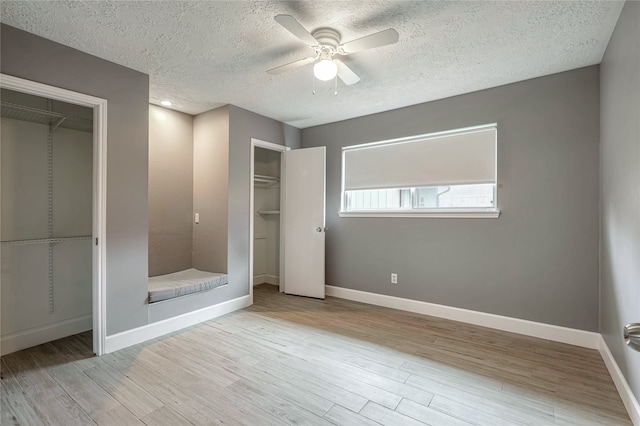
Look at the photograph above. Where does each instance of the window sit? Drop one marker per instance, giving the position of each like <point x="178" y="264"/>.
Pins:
<point x="451" y="174"/>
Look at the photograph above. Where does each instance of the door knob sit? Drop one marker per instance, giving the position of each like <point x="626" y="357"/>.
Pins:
<point x="632" y="335"/>
<point x="318" y="229"/>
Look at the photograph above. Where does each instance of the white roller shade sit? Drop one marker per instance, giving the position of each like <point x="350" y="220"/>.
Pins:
<point x="455" y="158"/>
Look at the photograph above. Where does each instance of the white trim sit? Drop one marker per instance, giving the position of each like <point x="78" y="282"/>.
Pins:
<point x="626" y="394"/>
<point x="169" y="325"/>
<point x="273" y="147"/>
<point x="100" y="228"/>
<point x="556" y="333"/>
<point x="283" y="220"/>
<point x="99" y="188"/>
<point x="266" y="279"/>
<point x="268" y="145"/>
<point x="23" y="339"/>
<point x="38" y="89"/>
<point x="479" y="214"/>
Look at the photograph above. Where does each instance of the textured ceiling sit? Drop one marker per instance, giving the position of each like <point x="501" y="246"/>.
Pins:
<point x="205" y="54"/>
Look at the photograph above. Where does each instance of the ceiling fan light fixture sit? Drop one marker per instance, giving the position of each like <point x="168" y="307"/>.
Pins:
<point x="326" y="44"/>
<point x="325" y="69"/>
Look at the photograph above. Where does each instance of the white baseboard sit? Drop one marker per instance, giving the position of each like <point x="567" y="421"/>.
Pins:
<point x="556" y="333"/>
<point x="157" y="329"/>
<point x="626" y="394"/>
<point x="17" y="341"/>
<point x="266" y="279"/>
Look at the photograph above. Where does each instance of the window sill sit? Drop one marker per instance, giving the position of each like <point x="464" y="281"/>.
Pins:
<point x="446" y="214"/>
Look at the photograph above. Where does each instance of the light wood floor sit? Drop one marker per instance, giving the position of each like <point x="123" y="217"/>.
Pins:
<point x="293" y="360"/>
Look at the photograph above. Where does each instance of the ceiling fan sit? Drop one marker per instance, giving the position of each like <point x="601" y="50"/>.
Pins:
<point x="326" y="44"/>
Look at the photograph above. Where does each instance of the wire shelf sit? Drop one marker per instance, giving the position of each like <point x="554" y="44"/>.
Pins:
<point x="40" y="116"/>
<point x="45" y="240"/>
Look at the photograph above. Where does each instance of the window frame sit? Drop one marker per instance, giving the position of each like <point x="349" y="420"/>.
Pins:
<point x="450" y="213"/>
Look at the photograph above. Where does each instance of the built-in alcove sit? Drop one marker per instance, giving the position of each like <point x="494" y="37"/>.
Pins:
<point x="188" y="199"/>
<point x="46" y="219"/>
<point x="170" y="191"/>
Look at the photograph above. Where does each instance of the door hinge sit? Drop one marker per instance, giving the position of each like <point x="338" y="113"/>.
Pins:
<point x="96" y="241"/>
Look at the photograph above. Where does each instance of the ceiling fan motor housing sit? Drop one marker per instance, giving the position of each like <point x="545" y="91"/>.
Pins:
<point x="327" y="37"/>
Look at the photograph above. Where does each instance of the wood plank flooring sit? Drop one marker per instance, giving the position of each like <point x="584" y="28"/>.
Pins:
<point x="298" y="361"/>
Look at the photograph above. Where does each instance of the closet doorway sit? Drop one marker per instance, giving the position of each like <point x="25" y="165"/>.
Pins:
<point x="52" y="192"/>
<point x="287" y="221"/>
<point x="265" y="224"/>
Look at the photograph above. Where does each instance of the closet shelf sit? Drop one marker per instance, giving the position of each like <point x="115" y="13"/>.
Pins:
<point x="41" y="116"/>
<point x="265" y="212"/>
<point x="266" y="181"/>
<point x="44" y="240"/>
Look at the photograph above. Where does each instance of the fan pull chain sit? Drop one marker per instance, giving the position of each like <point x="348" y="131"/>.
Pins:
<point x="314" y="84"/>
<point x="335" y="85"/>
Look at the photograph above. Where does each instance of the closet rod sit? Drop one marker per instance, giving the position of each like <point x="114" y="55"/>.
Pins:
<point x="265" y="181"/>
<point x="263" y="178"/>
<point x="44" y="240"/>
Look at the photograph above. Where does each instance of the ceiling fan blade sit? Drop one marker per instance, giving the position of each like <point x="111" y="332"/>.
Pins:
<point x="291" y="65"/>
<point x="295" y="28"/>
<point x="382" y="38"/>
<point x="346" y="74"/>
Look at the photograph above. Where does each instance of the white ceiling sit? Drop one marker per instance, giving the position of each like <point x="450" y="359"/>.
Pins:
<point x="205" y="54"/>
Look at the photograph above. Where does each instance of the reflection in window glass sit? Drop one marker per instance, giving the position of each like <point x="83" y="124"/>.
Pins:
<point x="437" y="197"/>
<point x="378" y="199"/>
<point x="459" y="196"/>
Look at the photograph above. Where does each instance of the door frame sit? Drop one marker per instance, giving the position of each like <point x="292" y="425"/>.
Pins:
<point x="99" y="106"/>
<point x="257" y="143"/>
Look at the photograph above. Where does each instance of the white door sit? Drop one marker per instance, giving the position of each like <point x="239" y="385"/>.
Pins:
<point x="303" y="198"/>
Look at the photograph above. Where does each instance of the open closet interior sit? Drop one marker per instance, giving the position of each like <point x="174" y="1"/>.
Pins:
<point x="46" y="219"/>
<point x="266" y="231"/>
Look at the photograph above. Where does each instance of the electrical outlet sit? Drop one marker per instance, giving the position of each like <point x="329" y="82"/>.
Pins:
<point x="394" y="278"/>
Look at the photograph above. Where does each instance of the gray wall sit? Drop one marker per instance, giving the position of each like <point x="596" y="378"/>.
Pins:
<point x="127" y="92"/>
<point x="539" y="260"/>
<point x="244" y="125"/>
<point x="211" y="189"/>
<point x="170" y="190"/>
<point x="620" y="190"/>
